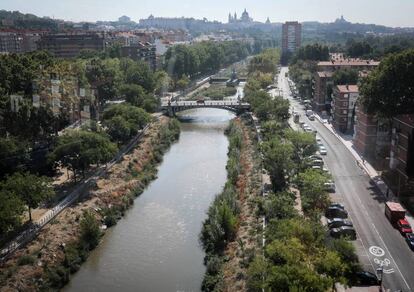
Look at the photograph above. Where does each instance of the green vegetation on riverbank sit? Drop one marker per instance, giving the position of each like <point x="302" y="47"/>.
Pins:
<point x="298" y="254"/>
<point x="220" y="226"/>
<point x="215" y="92"/>
<point x="77" y="251"/>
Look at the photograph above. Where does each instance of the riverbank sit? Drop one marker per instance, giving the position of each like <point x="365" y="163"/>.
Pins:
<point x="231" y="234"/>
<point x="44" y="264"/>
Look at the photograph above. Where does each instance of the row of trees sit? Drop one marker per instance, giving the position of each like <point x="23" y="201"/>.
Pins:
<point x="204" y="57"/>
<point x="297" y="254"/>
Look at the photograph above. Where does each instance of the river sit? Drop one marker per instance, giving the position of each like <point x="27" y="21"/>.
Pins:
<point x="155" y="246"/>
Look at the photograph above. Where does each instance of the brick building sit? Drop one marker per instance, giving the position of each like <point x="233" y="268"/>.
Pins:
<point x="343" y="108"/>
<point x="402" y="153"/>
<point x="291" y="36"/>
<point x="69" y="45"/>
<point x="321" y="97"/>
<point x="372" y="137"/>
<point x="141" y="51"/>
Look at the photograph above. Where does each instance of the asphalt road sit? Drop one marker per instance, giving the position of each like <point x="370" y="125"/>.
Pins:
<point x="378" y="242"/>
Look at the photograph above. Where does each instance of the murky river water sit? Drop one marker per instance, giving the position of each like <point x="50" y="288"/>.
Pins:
<point x="155" y="247"/>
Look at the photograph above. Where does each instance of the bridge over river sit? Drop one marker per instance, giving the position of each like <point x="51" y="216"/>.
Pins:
<point x="238" y="107"/>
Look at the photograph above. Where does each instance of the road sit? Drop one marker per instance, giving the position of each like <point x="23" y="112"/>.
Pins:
<point x="378" y="242"/>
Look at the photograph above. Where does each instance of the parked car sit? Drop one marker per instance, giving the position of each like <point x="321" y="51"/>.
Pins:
<point x="404" y="227"/>
<point x="308" y="130"/>
<point x="311" y="118"/>
<point x="343" y="231"/>
<point x="339" y="222"/>
<point x="322" y="150"/>
<point x="315" y="157"/>
<point x="409" y="238"/>
<point x="329" y="186"/>
<point x="335" y="212"/>
<point x="337" y="205"/>
<point x="318" y="162"/>
<point x="364" y="278"/>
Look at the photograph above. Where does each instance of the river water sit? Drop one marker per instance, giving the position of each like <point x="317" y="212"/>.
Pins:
<point x="155" y="246"/>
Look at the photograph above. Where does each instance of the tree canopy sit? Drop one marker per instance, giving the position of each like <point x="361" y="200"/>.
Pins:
<point x="79" y="149"/>
<point x="389" y="89"/>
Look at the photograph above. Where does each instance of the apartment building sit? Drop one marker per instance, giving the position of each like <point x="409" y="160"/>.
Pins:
<point x="343" y="107"/>
<point x="141" y="51"/>
<point x="291" y="36"/>
<point x="321" y="95"/>
<point x="402" y="152"/>
<point x="69" y="45"/>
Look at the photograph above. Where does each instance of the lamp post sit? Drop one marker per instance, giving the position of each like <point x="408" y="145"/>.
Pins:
<point x="380" y="272"/>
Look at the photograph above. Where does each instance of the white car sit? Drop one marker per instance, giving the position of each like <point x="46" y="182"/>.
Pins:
<point x="322" y="150"/>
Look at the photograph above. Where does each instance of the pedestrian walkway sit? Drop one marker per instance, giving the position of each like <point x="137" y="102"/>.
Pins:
<point x="365" y="165"/>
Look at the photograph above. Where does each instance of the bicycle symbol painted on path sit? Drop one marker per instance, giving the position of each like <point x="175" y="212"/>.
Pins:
<point x="376" y="251"/>
<point x="384" y="263"/>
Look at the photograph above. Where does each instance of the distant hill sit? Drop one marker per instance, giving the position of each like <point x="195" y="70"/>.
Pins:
<point x="17" y="20"/>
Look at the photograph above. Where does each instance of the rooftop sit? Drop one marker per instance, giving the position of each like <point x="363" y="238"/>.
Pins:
<point x="325" y="74"/>
<point x="349" y="62"/>
<point x="347" y="88"/>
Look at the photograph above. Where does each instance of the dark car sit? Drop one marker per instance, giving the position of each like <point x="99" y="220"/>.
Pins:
<point x="409" y="238"/>
<point x="335" y="212"/>
<point x="339" y="222"/>
<point x="366" y="279"/>
<point x="344" y="231"/>
<point x="337" y="205"/>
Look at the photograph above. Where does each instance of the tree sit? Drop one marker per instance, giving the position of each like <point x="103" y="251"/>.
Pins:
<point x="389" y="90"/>
<point x="77" y="150"/>
<point x="119" y="129"/>
<point x="345" y="76"/>
<point x="313" y="52"/>
<point x="133" y="94"/>
<point x="312" y="190"/>
<point x="278" y="161"/>
<point x="304" y="144"/>
<point x="31" y="189"/>
<point x="140" y="73"/>
<point x="183" y="82"/>
<point x="11" y="210"/>
<point x="136" y="116"/>
<point x="90" y="231"/>
<point x="12" y="155"/>
<point x="359" y="49"/>
<point x="280" y="206"/>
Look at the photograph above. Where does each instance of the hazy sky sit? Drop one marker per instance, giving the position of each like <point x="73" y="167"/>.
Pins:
<point x="386" y="12"/>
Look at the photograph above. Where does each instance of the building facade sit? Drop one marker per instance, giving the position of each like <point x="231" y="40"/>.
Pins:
<point x="322" y="91"/>
<point x="343" y="107"/>
<point x="142" y="51"/>
<point x="402" y="153"/>
<point x="291" y="36"/>
<point x="69" y="45"/>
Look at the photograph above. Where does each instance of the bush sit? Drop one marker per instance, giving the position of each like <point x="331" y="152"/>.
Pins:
<point x="26" y="260"/>
<point x="90" y="231"/>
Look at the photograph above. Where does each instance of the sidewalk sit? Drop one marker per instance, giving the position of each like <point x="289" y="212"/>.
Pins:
<point x="373" y="174"/>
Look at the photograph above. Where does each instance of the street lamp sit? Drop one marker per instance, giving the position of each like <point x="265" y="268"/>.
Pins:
<point x="380" y="272"/>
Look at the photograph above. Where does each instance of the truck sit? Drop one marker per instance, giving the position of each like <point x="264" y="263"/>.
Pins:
<point x="394" y="212"/>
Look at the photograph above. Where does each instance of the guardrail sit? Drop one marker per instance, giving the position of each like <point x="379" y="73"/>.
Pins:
<point x="29" y="234"/>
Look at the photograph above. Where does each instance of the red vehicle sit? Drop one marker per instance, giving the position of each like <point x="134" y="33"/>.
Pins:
<point x="403" y="226"/>
<point x="394" y="212"/>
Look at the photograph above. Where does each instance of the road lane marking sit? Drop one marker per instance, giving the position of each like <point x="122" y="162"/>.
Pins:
<point x="408" y="286"/>
<point x="376" y="251"/>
